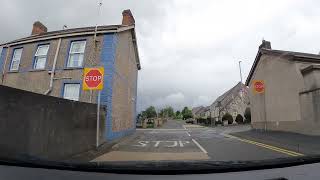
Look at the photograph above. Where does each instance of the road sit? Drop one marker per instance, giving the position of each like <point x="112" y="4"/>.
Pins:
<point x="179" y="141"/>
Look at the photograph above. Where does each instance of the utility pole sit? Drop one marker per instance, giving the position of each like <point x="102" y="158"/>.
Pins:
<point x="240" y="71"/>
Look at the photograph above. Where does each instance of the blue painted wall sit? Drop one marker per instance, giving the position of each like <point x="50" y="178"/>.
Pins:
<point x="108" y="58"/>
<point x="2" y="58"/>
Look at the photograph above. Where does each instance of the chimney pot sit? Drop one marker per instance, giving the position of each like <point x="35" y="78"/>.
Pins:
<point x="38" y="28"/>
<point x="127" y="18"/>
<point x="265" y="44"/>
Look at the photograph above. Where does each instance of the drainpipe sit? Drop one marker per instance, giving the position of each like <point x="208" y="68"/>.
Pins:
<point x="5" y="63"/>
<point x="53" y="68"/>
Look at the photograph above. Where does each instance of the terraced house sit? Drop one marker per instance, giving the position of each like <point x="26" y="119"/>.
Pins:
<point x="51" y="63"/>
<point x="234" y="101"/>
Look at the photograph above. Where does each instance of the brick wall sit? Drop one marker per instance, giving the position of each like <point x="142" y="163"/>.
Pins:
<point x="119" y="93"/>
<point x="124" y="85"/>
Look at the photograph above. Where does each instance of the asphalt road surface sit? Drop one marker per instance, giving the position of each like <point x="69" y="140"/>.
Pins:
<point x="179" y="141"/>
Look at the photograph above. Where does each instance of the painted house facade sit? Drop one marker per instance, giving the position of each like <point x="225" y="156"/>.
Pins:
<point x="52" y="63"/>
<point x="291" y="98"/>
<point x="234" y="101"/>
<point x="196" y="111"/>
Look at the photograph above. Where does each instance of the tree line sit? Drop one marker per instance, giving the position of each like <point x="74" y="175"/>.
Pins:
<point x="167" y="112"/>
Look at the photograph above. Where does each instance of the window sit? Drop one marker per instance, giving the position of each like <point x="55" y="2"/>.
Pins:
<point x="15" y="62"/>
<point x="76" y="54"/>
<point x="40" y="57"/>
<point x="71" y="91"/>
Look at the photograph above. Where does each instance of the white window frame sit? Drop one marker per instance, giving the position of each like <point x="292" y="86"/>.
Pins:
<point x="37" y="56"/>
<point x="15" y="60"/>
<point x="72" y="53"/>
<point x="71" y="98"/>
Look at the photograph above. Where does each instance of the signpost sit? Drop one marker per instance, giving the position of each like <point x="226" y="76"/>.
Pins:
<point x="259" y="88"/>
<point x="93" y="80"/>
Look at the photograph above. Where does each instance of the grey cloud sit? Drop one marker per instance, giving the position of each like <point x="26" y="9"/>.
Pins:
<point x="189" y="49"/>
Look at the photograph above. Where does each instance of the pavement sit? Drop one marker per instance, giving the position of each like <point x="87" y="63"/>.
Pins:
<point x="179" y="141"/>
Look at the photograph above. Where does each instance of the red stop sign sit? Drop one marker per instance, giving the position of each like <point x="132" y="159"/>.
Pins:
<point x="258" y="86"/>
<point x="93" y="78"/>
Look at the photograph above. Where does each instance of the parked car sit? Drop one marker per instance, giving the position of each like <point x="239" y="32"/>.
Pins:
<point x="190" y="121"/>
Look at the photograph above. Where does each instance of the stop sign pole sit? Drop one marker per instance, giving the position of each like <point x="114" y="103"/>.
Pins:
<point x="93" y="80"/>
<point x="259" y="88"/>
<point x="98" y="120"/>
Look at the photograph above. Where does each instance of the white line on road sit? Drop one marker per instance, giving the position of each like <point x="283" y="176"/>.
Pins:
<point x="184" y="127"/>
<point x="160" y="129"/>
<point x="188" y="133"/>
<point x="199" y="146"/>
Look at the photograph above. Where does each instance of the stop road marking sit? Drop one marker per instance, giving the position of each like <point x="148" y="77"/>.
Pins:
<point x="168" y="144"/>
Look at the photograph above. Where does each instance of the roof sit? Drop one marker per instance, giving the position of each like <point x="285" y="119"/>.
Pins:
<point x="52" y="34"/>
<point x="78" y="32"/>
<point x="201" y="110"/>
<point x="310" y="68"/>
<point x="196" y="109"/>
<point x="234" y="90"/>
<point x="296" y="56"/>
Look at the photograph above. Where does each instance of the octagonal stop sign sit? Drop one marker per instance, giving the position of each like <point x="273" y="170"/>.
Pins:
<point x="93" y="78"/>
<point x="258" y="86"/>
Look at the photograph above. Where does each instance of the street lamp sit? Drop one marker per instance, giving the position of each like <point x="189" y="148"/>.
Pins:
<point x="240" y="71"/>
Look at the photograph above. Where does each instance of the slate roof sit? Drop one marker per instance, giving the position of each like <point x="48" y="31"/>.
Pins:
<point x="54" y="34"/>
<point x="65" y="31"/>
<point x="234" y="90"/>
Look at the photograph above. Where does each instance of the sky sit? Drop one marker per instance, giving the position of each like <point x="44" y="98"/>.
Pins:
<point x="189" y="50"/>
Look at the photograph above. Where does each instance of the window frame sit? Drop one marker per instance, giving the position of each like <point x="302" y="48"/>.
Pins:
<point x="35" y="57"/>
<point x="69" y="54"/>
<point x="71" y="82"/>
<point x="12" y="56"/>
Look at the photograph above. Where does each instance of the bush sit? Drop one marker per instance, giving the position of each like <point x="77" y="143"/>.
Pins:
<point x="239" y="119"/>
<point x="227" y="117"/>
<point x="219" y="122"/>
<point x="247" y="115"/>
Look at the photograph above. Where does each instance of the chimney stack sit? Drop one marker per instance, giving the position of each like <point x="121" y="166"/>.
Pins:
<point x="265" y="44"/>
<point x="127" y="18"/>
<point x="38" y="28"/>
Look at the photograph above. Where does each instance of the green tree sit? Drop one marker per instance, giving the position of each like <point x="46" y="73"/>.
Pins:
<point x="239" y="119"/>
<point x="186" y="113"/>
<point x="227" y="117"/>
<point x="167" y="112"/>
<point x="170" y="111"/>
<point x="150" y="112"/>
<point x="178" y="113"/>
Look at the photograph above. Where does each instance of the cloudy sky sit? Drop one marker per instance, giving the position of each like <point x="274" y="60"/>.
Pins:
<point x="189" y="50"/>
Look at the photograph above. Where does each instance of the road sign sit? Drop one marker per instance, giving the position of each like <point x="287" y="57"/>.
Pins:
<point x="93" y="78"/>
<point x="258" y="86"/>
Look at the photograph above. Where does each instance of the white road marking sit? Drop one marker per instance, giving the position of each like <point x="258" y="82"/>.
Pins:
<point x="188" y="133"/>
<point x="142" y="144"/>
<point x="184" y="127"/>
<point x="157" y="143"/>
<point x="168" y="132"/>
<point x="175" y="143"/>
<point x="183" y="142"/>
<point x="199" y="146"/>
<point x="161" y="129"/>
<point x="161" y="144"/>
